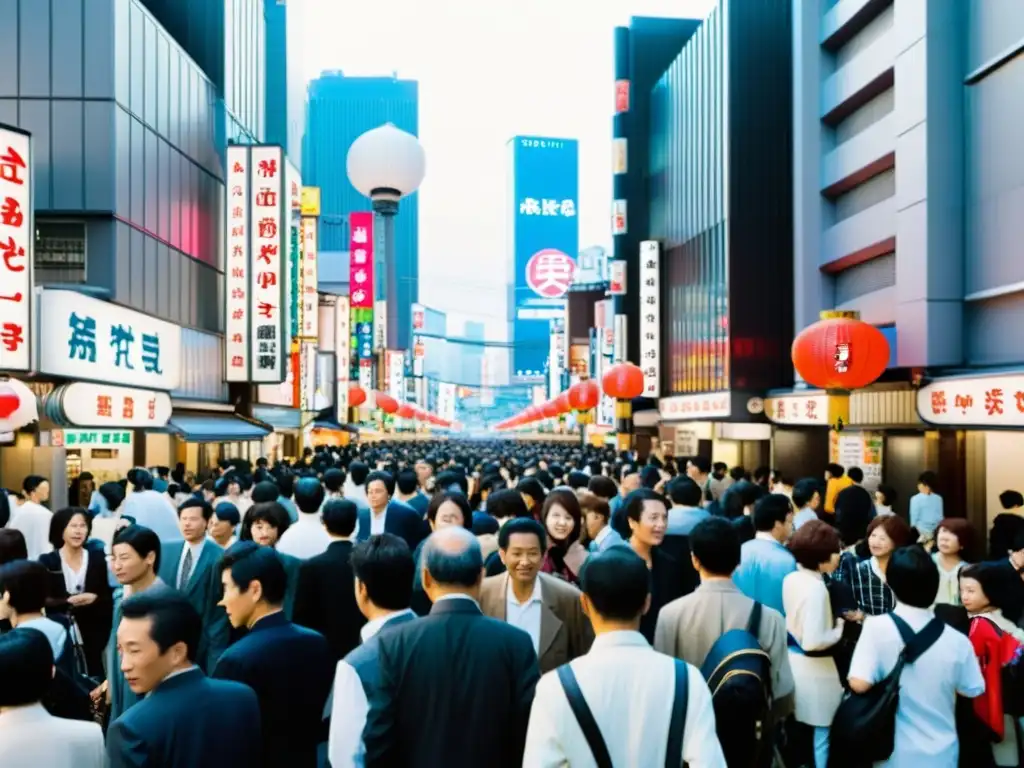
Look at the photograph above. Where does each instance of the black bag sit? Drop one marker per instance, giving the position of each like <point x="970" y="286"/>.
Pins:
<point x="739" y="673"/>
<point x="865" y="723"/>
<point x="587" y="723"/>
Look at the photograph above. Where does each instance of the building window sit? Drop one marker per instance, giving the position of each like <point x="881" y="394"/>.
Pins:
<point x="60" y="252"/>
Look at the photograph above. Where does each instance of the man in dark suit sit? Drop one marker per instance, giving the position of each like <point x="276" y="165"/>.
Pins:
<point x="190" y="567"/>
<point x="484" y="671"/>
<point x="324" y="599"/>
<point x="289" y="667"/>
<point x="387" y="515"/>
<point x="383" y="569"/>
<point x="159" y="636"/>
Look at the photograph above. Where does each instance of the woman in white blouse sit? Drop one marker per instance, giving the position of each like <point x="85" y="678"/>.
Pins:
<point x="952" y="539"/>
<point x="813" y="631"/>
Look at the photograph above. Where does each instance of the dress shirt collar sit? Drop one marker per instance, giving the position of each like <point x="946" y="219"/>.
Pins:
<point x="766" y="536"/>
<point x="374" y="626"/>
<point x="174" y="676"/>
<point x="308" y="518"/>
<point x="624" y="638"/>
<point x="270" y="621"/>
<point x="457" y="596"/>
<point x="602" y="534"/>
<point x="29" y="713"/>
<point x="911" y="612"/>
<point x="535" y="596"/>
<point x="197" y="549"/>
<point x="718" y="585"/>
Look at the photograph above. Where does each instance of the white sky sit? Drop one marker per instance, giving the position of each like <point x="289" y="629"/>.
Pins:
<point x="488" y="70"/>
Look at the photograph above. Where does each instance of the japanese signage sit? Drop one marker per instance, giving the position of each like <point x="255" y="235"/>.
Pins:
<point x="360" y="280"/>
<point x="989" y="401"/>
<point x="419" y="353"/>
<point x="268" y="344"/>
<point x="619" y="226"/>
<point x="363" y="333"/>
<point x="650" y="316"/>
<point x="396" y="373"/>
<point x="236" y="273"/>
<point x="310" y="201"/>
<point x="620" y="157"/>
<point x="309" y="303"/>
<point x="91" y="340"/>
<point x="17" y="236"/>
<point x="858" y="449"/>
<point x="556" y="361"/>
<point x="102" y="405"/>
<point x="342" y="353"/>
<point x="621" y="96"/>
<point x="307" y="376"/>
<point x="544" y="224"/>
<point x="293" y="273"/>
<point x="89" y="438"/>
<point x="419" y="317"/>
<point x="816" y="409"/>
<point x="18" y="406"/>
<point x="446" y="401"/>
<point x="366" y="375"/>
<point x="712" y="405"/>
<point x="380" y="325"/>
<point x="617" y="278"/>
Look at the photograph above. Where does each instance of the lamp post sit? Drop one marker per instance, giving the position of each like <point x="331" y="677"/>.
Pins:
<point x="387" y="164"/>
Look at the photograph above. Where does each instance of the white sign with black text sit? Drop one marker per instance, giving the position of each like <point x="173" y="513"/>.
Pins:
<point x="650" y="316"/>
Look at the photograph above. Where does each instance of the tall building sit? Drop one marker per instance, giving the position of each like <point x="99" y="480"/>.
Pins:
<point x="285" y="86"/>
<point x="339" y="110"/>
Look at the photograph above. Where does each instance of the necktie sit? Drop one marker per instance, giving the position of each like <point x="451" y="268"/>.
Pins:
<point x="186" y="569"/>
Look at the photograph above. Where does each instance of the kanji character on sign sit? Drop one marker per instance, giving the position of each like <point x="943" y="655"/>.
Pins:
<point x="10" y="251"/>
<point x="266" y="279"/>
<point x="266" y="251"/>
<point x="151" y="353"/>
<point x="121" y="339"/>
<point x="568" y="208"/>
<point x="128" y="408"/>
<point x="238" y="272"/>
<point x="267" y="168"/>
<point x="963" y="402"/>
<point x="237" y="293"/>
<point x="82" y="341"/>
<point x="10" y="165"/>
<point x="994" y="401"/>
<point x="151" y="409"/>
<point x="104" y="406"/>
<point x="530" y="207"/>
<point x="12" y="336"/>
<point x="10" y="213"/>
<point x="268" y="228"/>
<point x="266" y="198"/>
<point x="812" y="409"/>
<point x="237" y="252"/>
<point x="238" y="167"/>
<point x="359" y="235"/>
<point x="938" y="402"/>
<point x="236" y="338"/>
<point x="359" y="256"/>
<point x="238" y="314"/>
<point x="237" y="362"/>
<point x="266" y="309"/>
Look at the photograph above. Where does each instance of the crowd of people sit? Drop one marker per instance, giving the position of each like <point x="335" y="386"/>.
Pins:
<point x="492" y="603"/>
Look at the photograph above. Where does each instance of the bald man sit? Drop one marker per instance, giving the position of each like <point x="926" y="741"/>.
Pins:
<point x="484" y="671"/>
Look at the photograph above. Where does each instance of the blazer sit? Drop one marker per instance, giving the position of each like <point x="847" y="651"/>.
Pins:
<point x="481" y="670"/>
<point x="204" y="590"/>
<point x="325" y="598"/>
<point x="94" y="621"/>
<point x="669" y="580"/>
<point x="31" y="736"/>
<point x="221" y="720"/>
<point x="400" y="519"/>
<point x="290" y="668"/>
<point x="121" y="695"/>
<point x="565" y="631"/>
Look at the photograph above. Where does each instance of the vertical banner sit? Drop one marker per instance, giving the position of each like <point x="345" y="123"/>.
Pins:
<point x="556" y="362"/>
<point x="236" y="271"/>
<point x="342" y="354"/>
<point x="619" y="347"/>
<point x="617" y="278"/>
<point x="396" y="373"/>
<point x="17" y="240"/>
<point x="419" y="354"/>
<point x="309" y="303"/>
<point x="544" y="229"/>
<point x="293" y="273"/>
<point x="619" y="225"/>
<point x="419" y="317"/>
<point x="486" y="380"/>
<point x="650" y="316"/>
<point x="268" y="331"/>
<point x="307" y="376"/>
<point x="620" y="156"/>
<point x="361" y="292"/>
<point x="366" y="375"/>
<point x="380" y="325"/>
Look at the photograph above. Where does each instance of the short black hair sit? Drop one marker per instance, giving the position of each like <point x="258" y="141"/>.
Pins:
<point x="12" y="545"/>
<point x="856" y="474"/>
<point x="196" y="502"/>
<point x="384" y="564"/>
<point x="340" y="516"/>
<point x="997" y="582"/>
<point x="835" y="470"/>
<point x="804" y="490"/>
<point x="929" y="479"/>
<point x="449" y="479"/>
<point x="358" y="471"/>
<point x="334" y="479"/>
<point x="268" y="512"/>
<point x="309" y="495"/>
<point x="30" y="483"/>
<point x="263" y="491"/>
<point x="228" y="512"/>
<point x="533" y="488"/>
<point x="1011" y="499"/>
<point x="702" y="464"/>
<point x="525" y="525"/>
<point x="247" y="562"/>
<point x="578" y="479"/>
<point x="456" y="498"/>
<point x="385" y="477"/>
<point x="174" y="619"/>
<point x="407" y="481"/>
<point x="771" y="509"/>
<point x="26" y="667"/>
<point x="683" y="491"/>
<point x="141" y="480"/>
<point x="113" y="494"/>
<point x="617" y="582"/>
<point x="634" y="503"/>
<point x="27" y="581"/>
<point x="506" y="503"/>
<point x="716" y="545"/>
<point x="603" y="486"/>
<point x="913" y="576"/>
<point x="142" y="539"/>
<point x="60" y="520"/>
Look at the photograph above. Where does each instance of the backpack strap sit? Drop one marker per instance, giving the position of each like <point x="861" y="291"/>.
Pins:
<point x="585" y="717"/>
<point x="754" y="622"/>
<point x="916" y="643"/>
<point x="677" y="725"/>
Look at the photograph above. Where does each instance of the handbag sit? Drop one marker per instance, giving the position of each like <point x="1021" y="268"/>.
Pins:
<point x="864" y="725"/>
<point x="592" y="733"/>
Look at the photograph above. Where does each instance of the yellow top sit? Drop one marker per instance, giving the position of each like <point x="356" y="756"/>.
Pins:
<point x="832" y="489"/>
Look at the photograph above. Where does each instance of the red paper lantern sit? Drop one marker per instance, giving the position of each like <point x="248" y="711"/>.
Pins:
<point x="549" y="410"/>
<point x="584" y="395"/>
<point x="562" y="401"/>
<point x="406" y="411"/>
<point x="623" y="381"/>
<point x="840" y="353"/>
<point x="356" y="397"/>
<point x="387" y="403"/>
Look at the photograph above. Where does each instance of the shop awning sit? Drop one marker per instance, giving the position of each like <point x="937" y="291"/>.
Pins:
<point x="212" y="427"/>
<point x="334" y="426"/>
<point x="278" y="418"/>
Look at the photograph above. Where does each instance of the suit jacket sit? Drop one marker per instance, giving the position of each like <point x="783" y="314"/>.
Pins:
<point x="400" y="519"/>
<point x="31" y="736"/>
<point x="669" y="580"/>
<point x="221" y="720"/>
<point x="291" y="669"/>
<point x="325" y="598"/>
<point x="204" y="590"/>
<point x="565" y="631"/>
<point x="480" y="672"/>
<point x="121" y="695"/>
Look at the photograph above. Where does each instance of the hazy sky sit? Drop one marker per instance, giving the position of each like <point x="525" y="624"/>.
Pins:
<point x="488" y="70"/>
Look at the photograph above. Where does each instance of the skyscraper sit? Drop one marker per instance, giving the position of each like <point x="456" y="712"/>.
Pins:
<point x="285" y="87"/>
<point x="339" y="110"/>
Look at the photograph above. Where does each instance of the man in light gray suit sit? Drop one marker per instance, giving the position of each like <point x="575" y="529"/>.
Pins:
<point x="596" y="519"/>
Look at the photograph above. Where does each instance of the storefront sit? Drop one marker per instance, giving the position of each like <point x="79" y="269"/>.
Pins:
<point x="720" y="426"/>
<point x="801" y="425"/>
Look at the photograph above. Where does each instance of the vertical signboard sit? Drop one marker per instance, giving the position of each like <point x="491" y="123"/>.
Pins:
<point x="307" y="376"/>
<point x="309" y="303"/>
<point x="17" y="236"/>
<point x="342" y="354"/>
<point x="268" y="347"/>
<point x="396" y="373"/>
<point x="293" y="272"/>
<point x="650" y="316"/>
<point x="419" y="354"/>
<point x="545" y="244"/>
<point x="556" y="362"/>
<point x="419" y="317"/>
<point x="360" y="282"/>
<point x="236" y="287"/>
<point x="380" y="325"/>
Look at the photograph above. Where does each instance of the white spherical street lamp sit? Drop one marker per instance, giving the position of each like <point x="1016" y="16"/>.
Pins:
<point x="387" y="164"/>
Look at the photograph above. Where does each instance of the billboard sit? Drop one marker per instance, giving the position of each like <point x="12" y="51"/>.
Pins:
<point x="544" y="234"/>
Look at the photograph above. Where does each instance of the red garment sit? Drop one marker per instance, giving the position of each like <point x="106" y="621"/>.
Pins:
<point x="994" y="648"/>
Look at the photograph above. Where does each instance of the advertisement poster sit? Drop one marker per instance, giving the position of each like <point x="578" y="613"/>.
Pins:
<point x="859" y="449"/>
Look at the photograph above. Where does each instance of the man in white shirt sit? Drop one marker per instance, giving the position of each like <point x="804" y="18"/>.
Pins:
<point x="806" y="498"/>
<point x="150" y="508"/>
<point x="383" y="568"/>
<point x="307" y="537"/>
<point x="29" y="736"/>
<point x="627" y="685"/>
<point x="32" y="518"/>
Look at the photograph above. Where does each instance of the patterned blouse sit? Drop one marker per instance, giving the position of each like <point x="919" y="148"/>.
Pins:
<point x="872" y="594"/>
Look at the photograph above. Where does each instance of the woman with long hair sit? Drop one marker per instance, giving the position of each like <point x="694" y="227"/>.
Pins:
<point x="561" y="517"/>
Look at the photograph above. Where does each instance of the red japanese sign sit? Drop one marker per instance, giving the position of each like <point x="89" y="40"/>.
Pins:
<point x="705" y="406"/>
<point x="621" y="96"/>
<point x="16" y="239"/>
<point x="236" y="270"/>
<point x="360" y="281"/>
<point x="310" y="299"/>
<point x="549" y="273"/>
<point x="268" y="345"/>
<point x="996" y="401"/>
